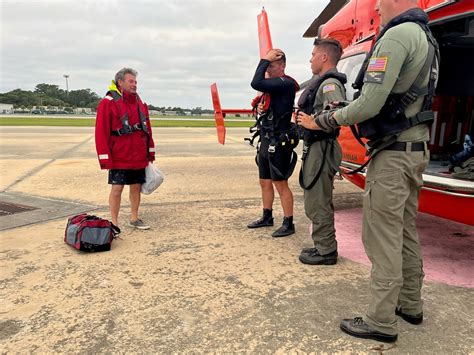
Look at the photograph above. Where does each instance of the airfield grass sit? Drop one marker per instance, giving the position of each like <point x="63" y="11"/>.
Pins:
<point x="90" y="122"/>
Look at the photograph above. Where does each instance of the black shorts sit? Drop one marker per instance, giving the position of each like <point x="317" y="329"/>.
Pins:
<point x="126" y="176"/>
<point x="281" y="160"/>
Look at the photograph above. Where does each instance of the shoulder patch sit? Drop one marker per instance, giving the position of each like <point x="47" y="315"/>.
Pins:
<point x="374" y="77"/>
<point x="108" y="97"/>
<point x="377" y="64"/>
<point x="328" y="88"/>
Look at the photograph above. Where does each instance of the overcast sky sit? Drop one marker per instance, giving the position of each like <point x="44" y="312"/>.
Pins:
<point x="179" y="48"/>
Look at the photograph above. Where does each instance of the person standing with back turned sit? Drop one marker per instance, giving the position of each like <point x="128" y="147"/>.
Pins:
<point x="393" y="111"/>
<point x="124" y="143"/>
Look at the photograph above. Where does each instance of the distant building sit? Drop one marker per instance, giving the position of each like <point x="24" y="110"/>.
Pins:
<point x="83" y="110"/>
<point x="187" y="113"/>
<point x="170" y="113"/>
<point x="154" y="112"/>
<point x="6" y="108"/>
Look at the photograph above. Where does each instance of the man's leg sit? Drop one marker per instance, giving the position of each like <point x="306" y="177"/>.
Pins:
<point x="319" y="209"/>
<point x="409" y="300"/>
<point x="385" y="194"/>
<point x="286" y="197"/>
<point x="318" y="202"/>
<point x="135" y="195"/>
<point x="268" y="194"/>
<point x="115" y="198"/>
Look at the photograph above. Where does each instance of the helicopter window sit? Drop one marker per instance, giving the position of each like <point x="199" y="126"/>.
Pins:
<point x="351" y="66"/>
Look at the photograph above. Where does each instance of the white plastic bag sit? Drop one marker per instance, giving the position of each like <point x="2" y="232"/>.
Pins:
<point x="154" y="178"/>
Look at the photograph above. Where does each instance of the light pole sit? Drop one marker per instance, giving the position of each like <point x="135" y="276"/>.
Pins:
<point x="67" y="88"/>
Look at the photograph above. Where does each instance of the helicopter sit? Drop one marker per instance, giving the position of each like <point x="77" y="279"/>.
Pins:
<point x="355" y="24"/>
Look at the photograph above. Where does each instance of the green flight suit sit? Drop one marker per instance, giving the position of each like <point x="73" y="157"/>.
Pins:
<point x="393" y="180"/>
<point x="318" y="199"/>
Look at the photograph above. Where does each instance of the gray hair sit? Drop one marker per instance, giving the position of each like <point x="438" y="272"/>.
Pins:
<point x="122" y="72"/>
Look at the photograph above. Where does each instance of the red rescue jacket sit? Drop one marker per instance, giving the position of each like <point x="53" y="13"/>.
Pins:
<point x="127" y="151"/>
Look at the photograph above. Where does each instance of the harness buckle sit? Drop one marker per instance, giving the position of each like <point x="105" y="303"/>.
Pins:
<point x="271" y="149"/>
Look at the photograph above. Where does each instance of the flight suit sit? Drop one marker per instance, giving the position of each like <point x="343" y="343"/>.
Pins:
<point x="393" y="180"/>
<point x="318" y="199"/>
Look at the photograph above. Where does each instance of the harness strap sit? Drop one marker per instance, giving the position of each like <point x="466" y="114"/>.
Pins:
<point x="122" y="131"/>
<point x="357" y="135"/>
<point x="318" y="174"/>
<point x="416" y="89"/>
<point x="291" y="168"/>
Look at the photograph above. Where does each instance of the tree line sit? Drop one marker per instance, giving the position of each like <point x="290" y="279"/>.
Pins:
<point x="52" y="95"/>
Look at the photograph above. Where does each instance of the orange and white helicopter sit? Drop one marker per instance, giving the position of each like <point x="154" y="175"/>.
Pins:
<point x="355" y="24"/>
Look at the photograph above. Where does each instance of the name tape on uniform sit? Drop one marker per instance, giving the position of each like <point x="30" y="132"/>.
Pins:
<point x="377" y="64"/>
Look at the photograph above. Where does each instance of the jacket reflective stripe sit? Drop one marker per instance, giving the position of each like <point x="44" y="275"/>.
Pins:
<point x="103" y="156"/>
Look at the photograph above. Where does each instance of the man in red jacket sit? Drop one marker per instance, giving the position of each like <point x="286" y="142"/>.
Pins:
<point x="124" y="143"/>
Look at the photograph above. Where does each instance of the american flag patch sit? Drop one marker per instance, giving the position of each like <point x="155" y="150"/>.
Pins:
<point x="329" y="88"/>
<point x="377" y="64"/>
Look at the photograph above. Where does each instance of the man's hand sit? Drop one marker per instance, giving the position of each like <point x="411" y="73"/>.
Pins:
<point x="260" y="108"/>
<point x="274" y="54"/>
<point x="336" y="104"/>
<point x="306" y="121"/>
<point x="325" y="121"/>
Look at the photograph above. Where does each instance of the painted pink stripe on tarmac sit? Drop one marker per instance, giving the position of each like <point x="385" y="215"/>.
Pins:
<point x="447" y="247"/>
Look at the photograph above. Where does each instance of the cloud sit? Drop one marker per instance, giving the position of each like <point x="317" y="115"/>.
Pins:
<point x="179" y="47"/>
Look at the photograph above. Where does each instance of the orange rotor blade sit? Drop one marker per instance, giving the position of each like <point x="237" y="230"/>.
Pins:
<point x="264" y="37"/>
<point x="218" y="115"/>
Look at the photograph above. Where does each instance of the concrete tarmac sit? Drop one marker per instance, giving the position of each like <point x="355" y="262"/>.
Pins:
<point x="199" y="281"/>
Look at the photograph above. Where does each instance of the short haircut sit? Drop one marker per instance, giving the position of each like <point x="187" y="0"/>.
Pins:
<point x="283" y="58"/>
<point x="331" y="46"/>
<point x="122" y="72"/>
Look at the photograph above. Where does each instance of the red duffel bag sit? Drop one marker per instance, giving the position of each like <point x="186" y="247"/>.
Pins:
<point x="89" y="233"/>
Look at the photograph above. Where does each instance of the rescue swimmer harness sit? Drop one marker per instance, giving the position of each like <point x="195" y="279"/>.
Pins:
<point x="266" y="122"/>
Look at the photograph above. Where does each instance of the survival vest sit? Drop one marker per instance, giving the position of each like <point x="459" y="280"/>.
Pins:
<point x="127" y="128"/>
<point x="306" y="104"/>
<point x="391" y="119"/>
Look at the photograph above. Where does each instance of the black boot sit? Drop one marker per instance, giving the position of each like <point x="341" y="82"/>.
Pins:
<point x="287" y="228"/>
<point x="313" y="257"/>
<point x="413" y="319"/>
<point x="265" y="221"/>
<point x="358" y="328"/>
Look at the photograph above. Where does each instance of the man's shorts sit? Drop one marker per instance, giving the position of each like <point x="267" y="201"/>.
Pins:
<point x="281" y="160"/>
<point x="126" y="176"/>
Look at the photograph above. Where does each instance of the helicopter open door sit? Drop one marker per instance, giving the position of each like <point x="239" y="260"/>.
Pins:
<point x="445" y="193"/>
